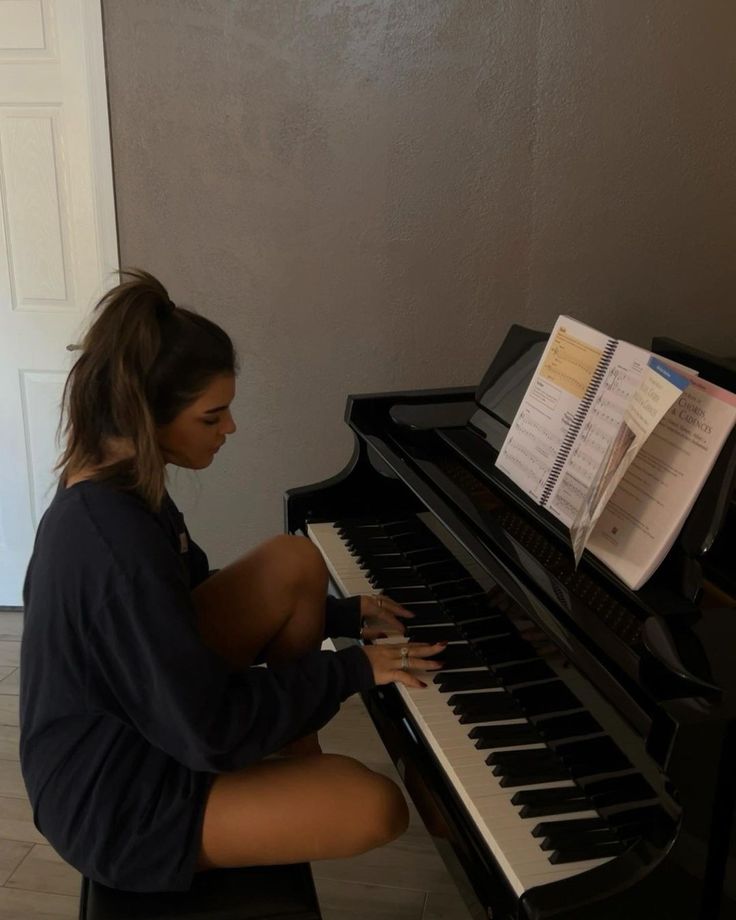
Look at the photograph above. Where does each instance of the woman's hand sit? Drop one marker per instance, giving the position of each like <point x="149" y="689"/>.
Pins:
<point x="381" y="616"/>
<point x="394" y="662"/>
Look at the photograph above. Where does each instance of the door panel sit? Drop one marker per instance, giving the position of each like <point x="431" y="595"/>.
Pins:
<point x="58" y="246"/>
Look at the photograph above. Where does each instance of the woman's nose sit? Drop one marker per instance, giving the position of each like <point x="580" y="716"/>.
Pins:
<point x="230" y="427"/>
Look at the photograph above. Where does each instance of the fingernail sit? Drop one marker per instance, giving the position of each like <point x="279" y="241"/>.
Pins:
<point x="421" y="682"/>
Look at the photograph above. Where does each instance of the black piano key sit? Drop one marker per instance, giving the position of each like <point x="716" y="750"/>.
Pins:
<point x="409" y="538"/>
<point x="382" y="563"/>
<point x="580" y="840"/>
<point x="491" y="702"/>
<point x="456" y="657"/>
<point x="505" y="649"/>
<point x="490" y="625"/>
<point x="423" y="608"/>
<point x="465" y="680"/>
<point x="427" y="615"/>
<point x="369" y="544"/>
<point x="553" y="696"/>
<point x="406" y="525"/>
<point x="486" y="714"/>
<point x="573" y="725"/>
<point x="525" y="672"/>
<point x="642" y="817"/>
<point x="388" y="582"/>
<point x="532" y="759"/>
<point x="428" y="554"/>
<point x="545" y="796"/>
<point x="464" y="611"/>
<point x="590" y="851"/>
<point x="595" y="754"/>
<point x="448" y="633"/>
<point x="519" y="777"/>
<point x="587" y="769"/>
<point x="412" y="542"/>
<point x="500" y="736"/>
<point x="372" y="560"/>
<point x="366" y="520"/>
<point x="561" y="808"/>
<point x="440" y="571"/>
<point x="346" y="526"/>
<point x="367" y="538"/>
<point x="545" y="828"/>
<point x="465" y="587"/>
<point x="383" y="566"/>
<point x="619" y="790"/>
<point x="451" y="588"/>
<point x="410" y="595"/>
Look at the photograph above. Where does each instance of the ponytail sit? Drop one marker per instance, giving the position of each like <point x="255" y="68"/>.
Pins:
<point x="143" y="360"/>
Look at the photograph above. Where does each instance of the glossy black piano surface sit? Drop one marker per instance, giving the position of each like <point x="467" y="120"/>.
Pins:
<point x="576" y="756"/>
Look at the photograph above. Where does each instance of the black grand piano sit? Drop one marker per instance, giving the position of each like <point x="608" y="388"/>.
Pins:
<point x="576" y="756"/>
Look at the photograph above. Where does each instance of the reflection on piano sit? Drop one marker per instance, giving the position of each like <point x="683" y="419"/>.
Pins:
<point x="576" y="756"/>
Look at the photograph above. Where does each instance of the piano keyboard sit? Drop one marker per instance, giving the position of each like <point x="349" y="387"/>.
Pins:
<point x="549" y="792"/>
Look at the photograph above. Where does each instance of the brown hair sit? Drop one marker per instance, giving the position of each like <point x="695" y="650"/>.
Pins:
<point x="143" y="360"/>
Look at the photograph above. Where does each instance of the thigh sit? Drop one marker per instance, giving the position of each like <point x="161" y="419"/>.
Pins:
<point x="299" y="809"/>
<point x="243" y="606"/>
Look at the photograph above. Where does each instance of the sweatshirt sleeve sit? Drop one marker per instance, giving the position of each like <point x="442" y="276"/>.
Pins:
<point x="342" y="616"/>
<point x="148" y="664"/>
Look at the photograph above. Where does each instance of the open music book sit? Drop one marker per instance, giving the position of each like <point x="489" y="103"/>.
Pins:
<point x="617" y="444"/>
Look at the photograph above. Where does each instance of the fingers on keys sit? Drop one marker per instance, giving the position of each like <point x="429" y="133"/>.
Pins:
<point x="425" y="651"/>
<point x="389" y="606"/>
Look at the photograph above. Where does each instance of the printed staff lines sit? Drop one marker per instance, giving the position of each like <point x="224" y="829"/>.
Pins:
<point x="578" y="420"/>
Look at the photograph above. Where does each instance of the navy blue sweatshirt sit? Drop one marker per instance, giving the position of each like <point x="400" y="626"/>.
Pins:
<point x="125" y="714"/>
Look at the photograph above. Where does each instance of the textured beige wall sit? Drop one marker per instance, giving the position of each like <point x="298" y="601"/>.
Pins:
<point x="366" y="194"/>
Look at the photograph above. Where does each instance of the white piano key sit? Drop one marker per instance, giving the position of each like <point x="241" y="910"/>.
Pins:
<point x="345" y="571"/>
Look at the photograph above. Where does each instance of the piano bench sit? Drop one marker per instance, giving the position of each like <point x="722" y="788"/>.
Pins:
<point x="254" y="893"/>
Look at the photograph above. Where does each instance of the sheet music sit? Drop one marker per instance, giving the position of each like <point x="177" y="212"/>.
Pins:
<point x="551" y="405"/>
<point x="648" y="507"/>
<point x="591" y="406"/>
<point x="601" y="426"/>
<point x="658" y="389"/>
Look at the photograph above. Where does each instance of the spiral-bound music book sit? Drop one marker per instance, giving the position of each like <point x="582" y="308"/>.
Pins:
<point x="617" y="444"/>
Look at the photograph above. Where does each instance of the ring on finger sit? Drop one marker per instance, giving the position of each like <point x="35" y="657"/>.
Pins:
<point x="380" y="601"/>
<point x="404" y="658"/>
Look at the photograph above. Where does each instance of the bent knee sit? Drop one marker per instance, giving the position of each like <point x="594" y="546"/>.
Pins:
<point x="391" y="811"/>
<point x="383" y="813"/>
<point x="297" y="560"/>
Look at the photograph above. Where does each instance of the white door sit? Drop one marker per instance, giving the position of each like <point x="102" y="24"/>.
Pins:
<point x="58" y="245"/>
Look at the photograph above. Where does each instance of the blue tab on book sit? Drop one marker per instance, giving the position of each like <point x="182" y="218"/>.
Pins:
<point x="669" y="373"/>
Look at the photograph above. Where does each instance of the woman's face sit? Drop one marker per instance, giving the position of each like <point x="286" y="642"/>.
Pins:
<point x="196" y="434"/>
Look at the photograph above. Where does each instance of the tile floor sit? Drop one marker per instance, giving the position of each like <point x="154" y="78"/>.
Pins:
<point x="403" y="881"/>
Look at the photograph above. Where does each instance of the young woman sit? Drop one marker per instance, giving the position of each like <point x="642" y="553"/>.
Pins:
<point x="146" y="733"/>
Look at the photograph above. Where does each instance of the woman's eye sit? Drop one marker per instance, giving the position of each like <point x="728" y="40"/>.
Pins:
<point x="211" y="421"/>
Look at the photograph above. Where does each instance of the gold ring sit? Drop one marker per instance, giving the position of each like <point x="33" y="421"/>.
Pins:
<point x="404" y="658"/>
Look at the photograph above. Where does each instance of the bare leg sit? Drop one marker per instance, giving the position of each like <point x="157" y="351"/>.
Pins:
<point x="267" y="606"/>
<point x="297" y="810"/>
